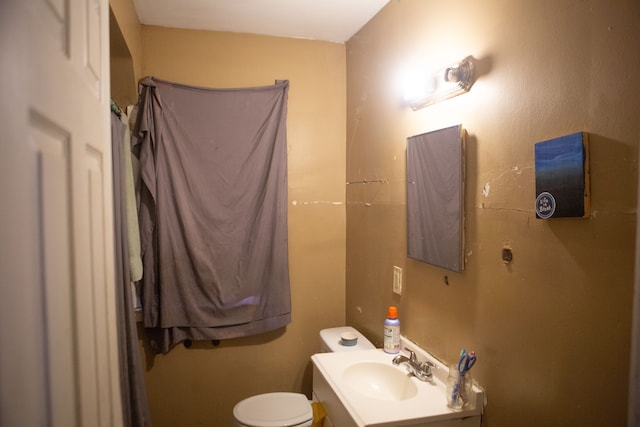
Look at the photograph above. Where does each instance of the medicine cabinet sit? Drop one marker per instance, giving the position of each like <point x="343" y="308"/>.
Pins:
<point x="435" y="197"/>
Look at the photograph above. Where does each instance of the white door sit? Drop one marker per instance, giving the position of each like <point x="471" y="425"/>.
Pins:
<point x="58" y="348"/>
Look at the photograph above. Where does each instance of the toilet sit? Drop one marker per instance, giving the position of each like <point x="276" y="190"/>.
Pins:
<point x="284" y="409"/>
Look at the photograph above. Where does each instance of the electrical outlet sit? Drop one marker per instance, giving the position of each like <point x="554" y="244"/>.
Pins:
<point x="397" y="280"/>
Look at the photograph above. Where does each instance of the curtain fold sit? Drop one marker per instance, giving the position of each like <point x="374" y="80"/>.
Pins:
<point x="134" y="396"/>
<point x="213" y="211"/>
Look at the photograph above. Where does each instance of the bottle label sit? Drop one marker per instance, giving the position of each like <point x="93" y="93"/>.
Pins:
<point x="392" y="339"/>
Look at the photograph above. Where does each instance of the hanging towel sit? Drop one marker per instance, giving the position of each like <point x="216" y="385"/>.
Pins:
<point x="213" y="211"/>
<point x="135" y="409"/>
<point x="319" y="414"/>
<point x="133" y="229"/>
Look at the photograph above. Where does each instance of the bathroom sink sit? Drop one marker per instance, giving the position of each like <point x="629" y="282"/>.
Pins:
<point x="379" y="381"/>
<point x="364" y="388"/>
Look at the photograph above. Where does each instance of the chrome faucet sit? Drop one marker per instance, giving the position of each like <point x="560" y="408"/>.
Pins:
<point x="421" y="370"/>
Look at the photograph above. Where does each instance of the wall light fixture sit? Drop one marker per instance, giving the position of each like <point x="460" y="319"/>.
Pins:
<point x="445" y="83"/>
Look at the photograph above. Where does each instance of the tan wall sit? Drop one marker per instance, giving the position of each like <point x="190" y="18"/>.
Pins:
<point x="124" y="89"/>
<point x="199" y="386"/>
<point x="551" y="329"/>
<point x="128" y="24"/>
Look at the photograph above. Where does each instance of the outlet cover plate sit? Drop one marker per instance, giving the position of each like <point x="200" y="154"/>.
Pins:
<point x="397" y="280"/>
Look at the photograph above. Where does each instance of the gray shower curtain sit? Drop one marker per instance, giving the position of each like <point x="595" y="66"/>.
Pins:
<point x="213" y="211"/>
<point x="135" y="408"/>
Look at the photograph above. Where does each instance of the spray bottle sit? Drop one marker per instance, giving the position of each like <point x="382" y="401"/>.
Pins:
<point x="392" y="331"/>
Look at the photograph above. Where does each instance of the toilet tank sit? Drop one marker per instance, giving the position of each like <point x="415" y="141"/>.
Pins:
<point x="331" y="340"/>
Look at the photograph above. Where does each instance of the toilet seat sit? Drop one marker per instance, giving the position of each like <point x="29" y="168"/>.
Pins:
<point x="279" y="409"/>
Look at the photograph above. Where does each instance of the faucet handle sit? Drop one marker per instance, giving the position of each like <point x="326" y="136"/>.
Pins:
<point x="424" y="370"/>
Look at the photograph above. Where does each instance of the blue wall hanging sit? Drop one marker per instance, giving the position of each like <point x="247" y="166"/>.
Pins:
<point x="562" y="177"/>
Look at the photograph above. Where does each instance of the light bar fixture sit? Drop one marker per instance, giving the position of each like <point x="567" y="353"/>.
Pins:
<point x="445" y="83"/>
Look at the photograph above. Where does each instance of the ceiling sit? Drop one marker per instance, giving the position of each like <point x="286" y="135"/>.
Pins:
<point x="328" y="20"/>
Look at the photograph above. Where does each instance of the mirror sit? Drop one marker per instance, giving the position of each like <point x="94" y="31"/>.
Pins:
<point x="435" y="200"/>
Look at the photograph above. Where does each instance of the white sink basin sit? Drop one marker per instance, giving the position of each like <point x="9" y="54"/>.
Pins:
<point x="364" y="388"/>
<point x="379" y="381"/>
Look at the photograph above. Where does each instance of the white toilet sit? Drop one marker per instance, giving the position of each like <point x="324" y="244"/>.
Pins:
<point x="293" y="409"/>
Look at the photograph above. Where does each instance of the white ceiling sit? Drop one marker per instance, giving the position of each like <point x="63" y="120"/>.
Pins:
<point x="329" y="20"/>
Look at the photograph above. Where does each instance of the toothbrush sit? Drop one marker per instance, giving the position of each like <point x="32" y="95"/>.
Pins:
<point x="456" y="386"/>
<point x="465" y="363"/>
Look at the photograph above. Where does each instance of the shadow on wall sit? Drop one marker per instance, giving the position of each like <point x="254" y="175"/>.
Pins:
<point x="607" y="189"/>
<point x="208" y="345"/>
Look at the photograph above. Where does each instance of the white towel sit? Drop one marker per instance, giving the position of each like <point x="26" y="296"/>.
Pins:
<point x="133" y="229"/>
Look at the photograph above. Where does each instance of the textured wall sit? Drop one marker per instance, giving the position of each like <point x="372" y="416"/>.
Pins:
<point x="128" y="25"/>
<point x="124" y="90"/>
<point x="552" y="328"/>
<point x="199" y="386"/>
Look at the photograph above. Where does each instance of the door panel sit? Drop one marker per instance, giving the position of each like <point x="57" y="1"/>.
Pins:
<point x="53" y="18"/>
<point x="93" y="41"/>
<point x="51" y="150"/>
<point x="58" y="364"/>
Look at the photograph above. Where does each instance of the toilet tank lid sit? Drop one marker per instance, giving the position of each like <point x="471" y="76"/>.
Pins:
<point x="274" y="410"/>
<point x="331" y="339"/>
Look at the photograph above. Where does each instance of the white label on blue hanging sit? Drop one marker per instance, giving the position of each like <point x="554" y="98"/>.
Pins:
<point x="545" y="205"/>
